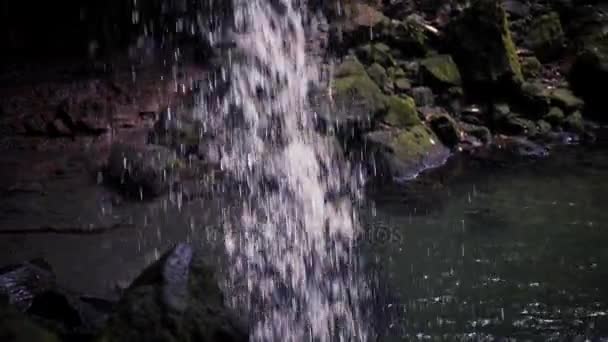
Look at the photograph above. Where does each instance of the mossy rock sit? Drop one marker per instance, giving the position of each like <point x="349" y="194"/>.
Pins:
<point x="574" y="123"/>
<point x="555" y="116"/>
<point x="566" y="100"/>
<point x="402" y="85"/>
<point x="401" y="112"/>
<point x="404" y="153"/>
<point x="16" y="327"/>
<point x="514" y="124"/>
<point x="378" y="74"/>
<point x="350" y="66"/>
<point x="376" y="53"/>
<point x="482" y="46"/>
<point x="175" y="299"/>
<point x="441" y="70"/>
<point x="358" y="97"/>
<point x="531" y="67"/>
<point x="546" y="36"/>
<point x="544" y="127"/>
<point x="395" y="72"/>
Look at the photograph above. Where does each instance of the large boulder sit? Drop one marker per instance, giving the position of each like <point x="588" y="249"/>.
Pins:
<point x="141" y="171"/>
<point x="403" y="153"/>
<point x="175" y="299"/>
<point x="482" y="46"/>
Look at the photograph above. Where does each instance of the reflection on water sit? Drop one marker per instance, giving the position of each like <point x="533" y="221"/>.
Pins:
<point x="518" y="252"/>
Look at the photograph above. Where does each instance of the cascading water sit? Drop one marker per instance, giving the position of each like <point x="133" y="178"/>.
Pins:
<point x="290" y="252"/>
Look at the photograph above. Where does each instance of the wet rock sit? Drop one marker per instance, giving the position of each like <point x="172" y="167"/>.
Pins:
<point x="531" y="67"/>
<point x="20" y="284"/>
<point x="35" y="125"/>
<point x="544" y="128"/>
<point x="481" y="43"/>
<point x="356" y="21"/>
<point x="179" y="131"/>
<point x="516" y="8"/>
<point x="86" y="116"/>
<point x="479" y="132"/>
<point x="16" y="327"/>
<point x="401" y="112"/>
<point x="446" y="129"/>
<point x="566" y="100"/>
<point x="441" y="70"/>
<point x="402" y="85"/>
<point x="141" y="171"/>
<point x="514" y="124"/>
<point x="520" y="147"/>
<point x="350" y="66"/>
<point x="356" y="96"/>
<point x="403" y="153"/>
<point x="378" y="74"/>
<point x="376" y="53"/>
<point x="409" y="35"/>
<point x="546" y="36"/>
<point x="423" y="96"/>
<point x="175" y="299"/>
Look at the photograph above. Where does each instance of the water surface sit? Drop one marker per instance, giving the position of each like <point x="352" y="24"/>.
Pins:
<point x="490" y="252"/>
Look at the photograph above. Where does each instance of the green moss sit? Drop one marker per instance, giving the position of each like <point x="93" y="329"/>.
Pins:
<point x="350" y="66"/>
<point x="555" y="116"/>
<point x="378" y="74"/>
<point x="566" y="100"/>
<point x="441" y="69"/>
<point x="546" y="36"/>
<point x="511" y="51"/>
<point x="408" y="35"/>
<point x="376" y="53"/>
<point x="531" y="67"/>
<point x="414" y="142"/>
<point x="360" y="92"/>
<point x="401" y="112"/>
<point x="402" y="84"/>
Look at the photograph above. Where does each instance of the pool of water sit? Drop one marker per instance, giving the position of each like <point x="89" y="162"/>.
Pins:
<point x="488" y="252"/>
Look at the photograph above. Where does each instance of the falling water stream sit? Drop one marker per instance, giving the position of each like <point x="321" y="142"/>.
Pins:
<point x="290" y="251"/>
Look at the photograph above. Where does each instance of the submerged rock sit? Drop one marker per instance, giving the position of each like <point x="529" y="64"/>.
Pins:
<point x="142" y="171"/>
<point x="446" y="129"/>
<point x="481" y="43"/>
<point x="403" y="153"/>
<point x="175" y="299"/>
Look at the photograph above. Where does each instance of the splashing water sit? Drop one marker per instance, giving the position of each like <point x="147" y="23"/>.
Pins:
<point x="292" y="247"/>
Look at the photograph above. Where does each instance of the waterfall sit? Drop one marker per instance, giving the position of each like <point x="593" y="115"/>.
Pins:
<point x="291" y="250"/>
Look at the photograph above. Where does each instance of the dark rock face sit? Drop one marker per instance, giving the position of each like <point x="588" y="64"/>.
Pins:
<point x="141" y="171"/>
<point x="175" y="299"/>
